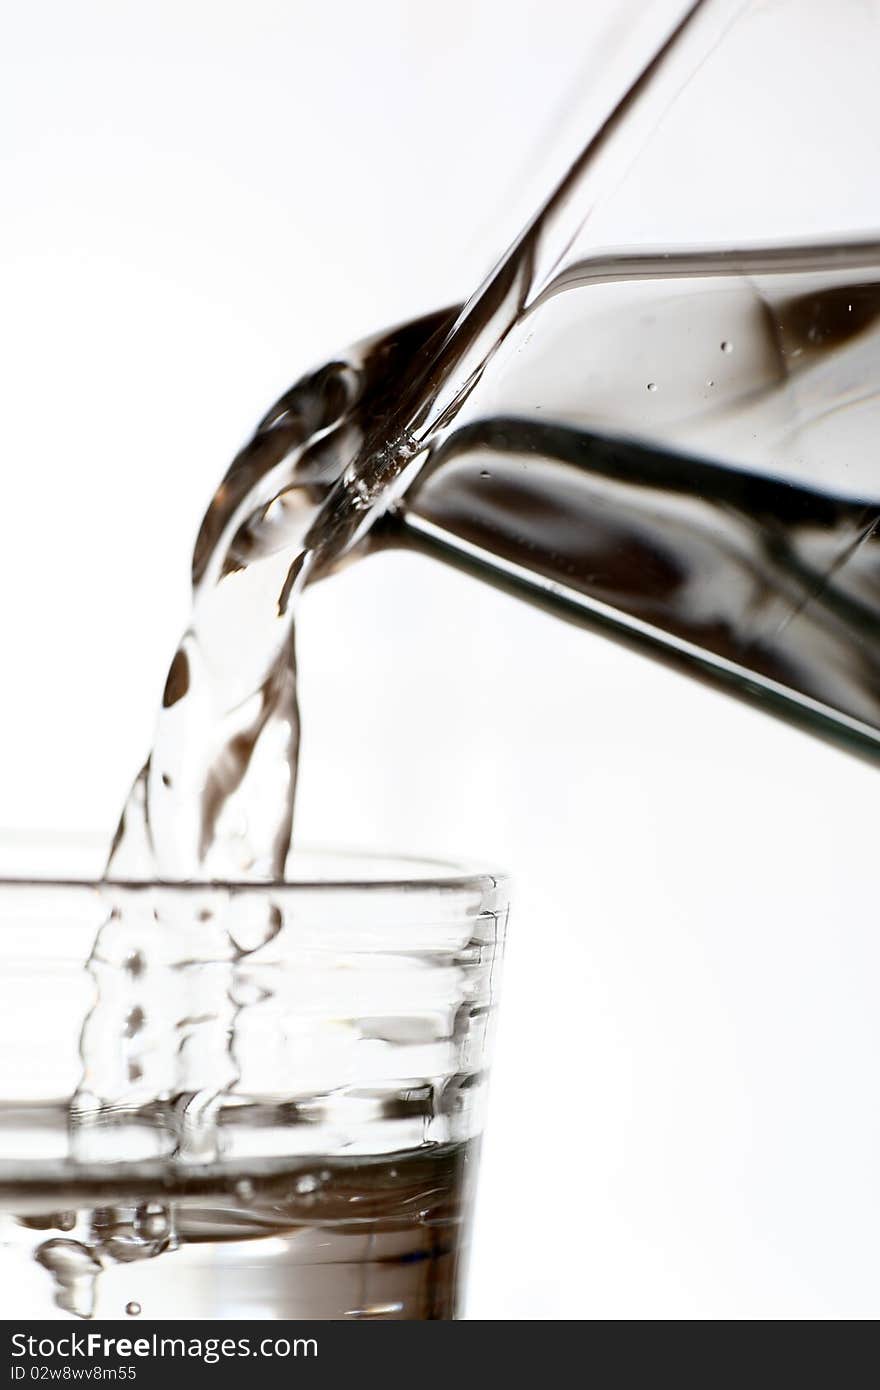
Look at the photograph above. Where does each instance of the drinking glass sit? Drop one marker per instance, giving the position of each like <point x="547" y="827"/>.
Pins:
<point x="244" y="1100"/>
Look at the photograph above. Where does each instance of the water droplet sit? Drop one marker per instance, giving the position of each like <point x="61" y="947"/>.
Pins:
<point x="307" y="1183"/>
<point x="133" y="1309"/>
<point x="726" y="346"/>
<point x="244" y="1189"/>
<point x="652" y="386"/>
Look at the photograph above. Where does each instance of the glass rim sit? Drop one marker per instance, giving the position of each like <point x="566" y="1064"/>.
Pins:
<point x="407" y="873"/>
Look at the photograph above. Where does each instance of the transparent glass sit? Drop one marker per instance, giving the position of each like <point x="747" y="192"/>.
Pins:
<point x="237" y="1100"/>
<point x="656" y="415"/>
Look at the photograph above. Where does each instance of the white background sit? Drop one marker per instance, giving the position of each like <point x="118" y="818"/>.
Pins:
<point x="200" y="199"/>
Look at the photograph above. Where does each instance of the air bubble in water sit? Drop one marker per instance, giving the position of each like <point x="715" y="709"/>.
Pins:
<point x="57" y="1220"/>
<point x="726" y="346"/>
<point x="133" y="1309"/>
<point x="652" y="386"/>
<point x="127" y="1234"/>
<point x="135" y="1021"/>
<point x="135" y="965"/>
<point x="152" y="1222"/>
<point x="375" y="1310"/>
<point x="244" y="1189"/>
<point x="251" y="926"/>
<point x="75" y="1271"/>
<point x="246" y="993"/>
<point x="307" y="1183"/>
<point x="484" y="473"/>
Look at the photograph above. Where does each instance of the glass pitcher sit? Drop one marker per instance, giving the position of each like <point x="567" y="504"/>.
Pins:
<point x="655" y="416"/>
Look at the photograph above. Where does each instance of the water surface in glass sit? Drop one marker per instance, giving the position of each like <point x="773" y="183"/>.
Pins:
<point x="294" y="1122"/>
